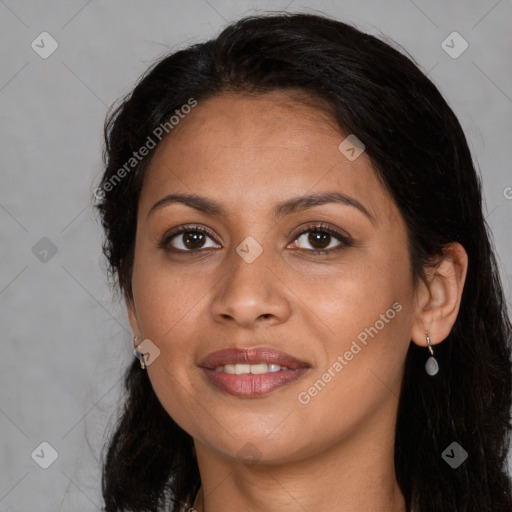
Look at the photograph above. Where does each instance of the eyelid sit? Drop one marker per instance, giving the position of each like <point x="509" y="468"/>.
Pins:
<point x="322" y="226"/>
<point x="343" y="237"/>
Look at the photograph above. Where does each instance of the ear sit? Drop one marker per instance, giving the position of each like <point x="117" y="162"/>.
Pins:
<point x="438" y="296"/>
<point x="132" y="315"/>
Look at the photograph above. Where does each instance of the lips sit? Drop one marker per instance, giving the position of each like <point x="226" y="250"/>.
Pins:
<point x="221" y="368"/>
<point x="251" y="356"/>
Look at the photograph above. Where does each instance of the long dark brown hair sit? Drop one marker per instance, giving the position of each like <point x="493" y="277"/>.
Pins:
<point x="421" y="156"/>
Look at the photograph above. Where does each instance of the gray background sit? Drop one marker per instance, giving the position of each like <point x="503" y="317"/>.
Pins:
<point x="65" y="344"/>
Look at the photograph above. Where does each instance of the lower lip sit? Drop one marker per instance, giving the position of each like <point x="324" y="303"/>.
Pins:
<point x="249" y="385"/>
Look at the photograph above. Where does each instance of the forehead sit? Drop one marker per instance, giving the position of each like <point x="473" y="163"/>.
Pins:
<point x="274" y="145"/>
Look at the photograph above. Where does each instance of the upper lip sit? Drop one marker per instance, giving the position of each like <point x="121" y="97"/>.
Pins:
<point x="251" y="356"/>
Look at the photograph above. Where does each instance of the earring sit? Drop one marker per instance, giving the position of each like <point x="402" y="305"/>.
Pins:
<point x="137" y="354"/>
<point x="431" y="366"/>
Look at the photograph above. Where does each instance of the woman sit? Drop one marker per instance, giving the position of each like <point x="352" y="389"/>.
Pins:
<point x="295" y="222"/>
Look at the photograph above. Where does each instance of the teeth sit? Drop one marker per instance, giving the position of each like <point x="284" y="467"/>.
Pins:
<point x="230" y="368"/>
<point x="254" y="369"/>
<point x="240" y="369"/>
<point x="258" y="368"/>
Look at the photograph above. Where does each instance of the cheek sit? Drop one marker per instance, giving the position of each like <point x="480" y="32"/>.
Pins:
<point x="165" y="295"/>
<point x="368" y="310"/>
<point x="353" y="296"/>
<point x="167" y="303"/>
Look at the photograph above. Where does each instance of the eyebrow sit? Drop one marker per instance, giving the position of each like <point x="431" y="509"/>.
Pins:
<point x="293" y="205"/>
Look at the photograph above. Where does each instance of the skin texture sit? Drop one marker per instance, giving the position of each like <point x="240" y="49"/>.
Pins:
<point x="249" y="153"/>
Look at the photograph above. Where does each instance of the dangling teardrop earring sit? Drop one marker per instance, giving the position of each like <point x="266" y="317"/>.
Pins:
<point x="431" y="366"/>
<point x="137" y="354"/>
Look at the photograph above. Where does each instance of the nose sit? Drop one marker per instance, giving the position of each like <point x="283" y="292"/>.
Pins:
<point x="250" y="294"/>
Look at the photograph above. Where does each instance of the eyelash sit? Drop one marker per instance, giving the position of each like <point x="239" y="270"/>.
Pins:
<point x="345" y="241"/>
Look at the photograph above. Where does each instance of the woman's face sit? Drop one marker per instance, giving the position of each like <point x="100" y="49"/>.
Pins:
<point x="270" y="186"/>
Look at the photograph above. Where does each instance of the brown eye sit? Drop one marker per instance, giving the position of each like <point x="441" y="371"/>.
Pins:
<point x="318" y="239"/>
<point x="188" y="239"/>
<point x="193" y="239"/>
<point x="322" y="239"/>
